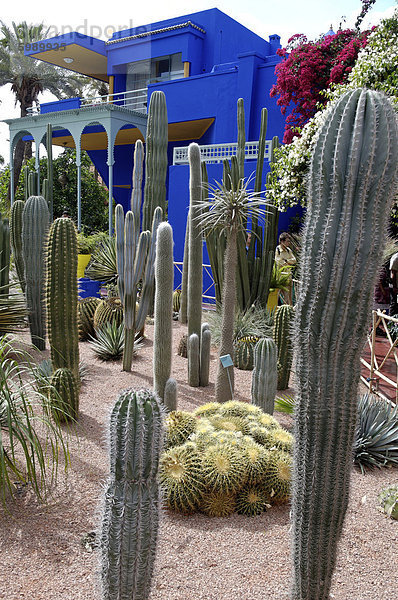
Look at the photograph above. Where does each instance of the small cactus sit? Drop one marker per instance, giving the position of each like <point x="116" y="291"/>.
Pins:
<point x="64" y="395"/>
<point x="282" y="325"/>
<point x="108" y="311"/>
<point x="265" y="375"/>
<point x="244" y="352"/>
<point x="86" y="309"/>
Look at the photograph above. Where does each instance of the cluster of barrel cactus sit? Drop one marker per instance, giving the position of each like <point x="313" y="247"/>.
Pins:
<point x="224" y="458"/>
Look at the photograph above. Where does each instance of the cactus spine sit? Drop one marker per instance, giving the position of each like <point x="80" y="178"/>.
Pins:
<point x="131" y="502"/>
<point x="282" y="337"/>
<point x="16" y="239"/>
<point x="156" y="158"/>
<point x="35" y="223"/>
<point x="4" y="255"/>
<point x="352" y="182"/>
<point x="61" y="296"/>
<point x="164" y="276"/>
<point x="265" y="375"/>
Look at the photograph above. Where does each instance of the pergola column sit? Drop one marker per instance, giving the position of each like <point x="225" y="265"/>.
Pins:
<point x="79" y="185"/>
<point x="110" y="197"/>
<point x="12" y="191"/>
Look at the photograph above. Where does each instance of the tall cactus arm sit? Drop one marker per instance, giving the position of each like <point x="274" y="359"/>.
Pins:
<point x="16" y="239"/>
<point x="119" y="229"/>
<point x="164" y="275"/>
<point x="352" y="181"/>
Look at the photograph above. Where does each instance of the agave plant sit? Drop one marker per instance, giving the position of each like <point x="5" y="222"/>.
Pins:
<point x="376" y="440"/>
<point x="44" y="371"/>
<point x="102" y="266"/>
<point x="110" y="342"/>
<point x="31" y="441"/>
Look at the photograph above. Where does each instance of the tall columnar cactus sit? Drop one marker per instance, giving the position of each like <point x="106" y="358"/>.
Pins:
<point x="32" y="184"/>
<point x="164" y="276"/>
<point x="16" y="239"/>
<point x="35" y="224"/>
<point x="156" y="161"/>
<point x="352" y="181"/>
<point x="195" y="260"/>
<point x="26" y="171"/>
<point x="282" y="336"/>
<point x="61" y="296"/>
<point x="183" y="316"/>
<point x="138" y="170"/>
<point x="4" y="255"/>
<point x="265" y="375"/>
<point x="131" y="502"/>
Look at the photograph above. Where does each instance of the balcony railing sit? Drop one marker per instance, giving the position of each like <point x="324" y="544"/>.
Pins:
<point x="216" y="153"/>
<point x="133" y="99"/>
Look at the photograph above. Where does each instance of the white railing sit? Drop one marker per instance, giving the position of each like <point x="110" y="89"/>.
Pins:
<point x="133" y="99"/>
<point x="216" y="153"/>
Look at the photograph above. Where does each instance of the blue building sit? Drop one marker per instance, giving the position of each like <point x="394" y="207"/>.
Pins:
<point x="203" y="62"/>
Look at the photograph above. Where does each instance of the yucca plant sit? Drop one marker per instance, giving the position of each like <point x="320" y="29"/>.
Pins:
<point x="31" y="441"/>
<point x="255" y="321"/>
<point x="376" y="439"/>
<point x="110" y="342"/>
<point x="102" y="266"/>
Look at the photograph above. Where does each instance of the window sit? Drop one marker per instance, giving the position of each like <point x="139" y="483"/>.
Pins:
<point x="163" y="68"/>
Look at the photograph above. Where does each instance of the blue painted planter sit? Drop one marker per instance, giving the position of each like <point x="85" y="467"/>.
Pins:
<point x="88" y="288"/>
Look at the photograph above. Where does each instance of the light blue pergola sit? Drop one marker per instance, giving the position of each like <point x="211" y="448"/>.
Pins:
<point x="111" y="117"/>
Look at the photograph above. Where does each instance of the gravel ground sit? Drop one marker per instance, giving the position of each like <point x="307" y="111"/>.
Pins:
<point x="44" y="555"/>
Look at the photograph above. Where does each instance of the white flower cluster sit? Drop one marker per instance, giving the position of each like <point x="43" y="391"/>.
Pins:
<point x="375" y="68"/>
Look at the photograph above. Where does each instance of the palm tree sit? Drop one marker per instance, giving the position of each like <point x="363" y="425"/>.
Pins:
<point x="29" y="77"/>
<point x="226" y="212"/>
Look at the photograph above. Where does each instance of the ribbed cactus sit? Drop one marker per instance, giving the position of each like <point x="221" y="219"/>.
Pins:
<point x="131" y="262"/>
<point x="183" y="316"/>
<point x="16" y="239"/>
<point x="195" y="269"/>
<point x="64" y="396"/>
<point x="265" y="375"/>
<point x="162" y="336"/>
<point x="61" y="296"/>
<point x="26" y="182"/>
<point x="352" y="181"/>
<point x="86" y="308"/>
<point x="4" y="255"/>
<point x="170" y="394"/>
<point x="156" y="161"/>
<point x="131" y="501"/>
<point x="35" y="224"/>
<point x="136" y="193"/>
<point x="244" y="352"/>
<point x="108" y="311"/>
<point x="205" y="347"/>
<point x="32" y="184"/>
<point x="193" y="355"/>
<point x="282" y="337"/>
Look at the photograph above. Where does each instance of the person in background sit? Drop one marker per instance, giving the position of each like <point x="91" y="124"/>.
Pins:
<point x="393" y="284"/>
<point x="284" y="257"/>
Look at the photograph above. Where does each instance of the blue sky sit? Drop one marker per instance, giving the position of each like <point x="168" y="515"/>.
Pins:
<point x="265" y="17"/>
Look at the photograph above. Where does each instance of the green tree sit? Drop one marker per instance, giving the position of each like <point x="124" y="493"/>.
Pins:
<point x="94" y="195"/>
<point x="29" y="77"/>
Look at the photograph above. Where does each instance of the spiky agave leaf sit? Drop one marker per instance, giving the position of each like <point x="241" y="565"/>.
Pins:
<point x="255" y="321"/>
<point x="376" y="438"/>
<point x="109" y="342"/>
<point x="13" y="311"/>
<point x="251" y="501"/>
<point x="218" y="504"/>
<point x="102" y="266"/>
<point x="181" y="477"/>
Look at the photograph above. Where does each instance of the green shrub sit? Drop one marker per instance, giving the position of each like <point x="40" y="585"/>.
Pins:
<point x="388" y="499"/>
